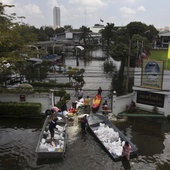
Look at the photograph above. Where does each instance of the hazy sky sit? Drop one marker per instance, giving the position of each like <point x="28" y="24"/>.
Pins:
<point x="89" y="12"/>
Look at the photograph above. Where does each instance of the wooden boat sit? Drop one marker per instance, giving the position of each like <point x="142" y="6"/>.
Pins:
<point x="96" y="102"/>
<point x="94" y="123"/>
<point x="44" y="149"/>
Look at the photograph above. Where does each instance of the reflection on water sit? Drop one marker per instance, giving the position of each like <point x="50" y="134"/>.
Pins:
<point x="18" y="143"/>
<point x="97" y="53"/>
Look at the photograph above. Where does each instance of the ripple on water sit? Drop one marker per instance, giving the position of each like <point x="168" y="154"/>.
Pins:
<point x="17" y="148"/>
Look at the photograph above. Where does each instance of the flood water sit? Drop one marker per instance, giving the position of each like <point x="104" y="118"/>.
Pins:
<point x="19" y="137"/>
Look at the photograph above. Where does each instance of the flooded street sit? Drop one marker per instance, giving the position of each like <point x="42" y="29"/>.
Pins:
<point x="19" y="137"/>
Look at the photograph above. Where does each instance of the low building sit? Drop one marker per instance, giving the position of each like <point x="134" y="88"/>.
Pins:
<point x="164" y="38"/>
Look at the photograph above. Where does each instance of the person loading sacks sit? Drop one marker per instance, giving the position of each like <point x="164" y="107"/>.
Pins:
<point x="52" y="126"/>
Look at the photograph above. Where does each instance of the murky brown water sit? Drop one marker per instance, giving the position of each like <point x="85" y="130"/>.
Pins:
<point x="19" y="137"/>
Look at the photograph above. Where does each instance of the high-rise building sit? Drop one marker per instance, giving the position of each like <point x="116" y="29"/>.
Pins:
<point x="56" y="17"/>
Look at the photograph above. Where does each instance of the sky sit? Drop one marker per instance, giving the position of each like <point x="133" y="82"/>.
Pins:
<point x="89" y="12"/>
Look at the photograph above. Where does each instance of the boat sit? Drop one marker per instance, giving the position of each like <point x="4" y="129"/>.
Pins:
<point x="57" y="150"/>
<point x="113" y="143"/>
<point x="96" y="102"/>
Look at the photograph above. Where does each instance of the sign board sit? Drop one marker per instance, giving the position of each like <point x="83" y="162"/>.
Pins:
<point x="153" y="99"/>
<point x="152" y="74"/>
<point x="22" y="98"/>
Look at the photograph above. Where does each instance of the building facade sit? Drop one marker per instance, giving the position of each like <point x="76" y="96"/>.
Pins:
<point x="56" y="17"/>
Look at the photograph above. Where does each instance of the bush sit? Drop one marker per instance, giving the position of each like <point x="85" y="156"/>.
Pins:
<point x="59" y="93"/>
<point x="41" y="90"/>
<point x="109" y="67"/>
<point x="63" y="97"/>
<point x="19" y="109"/>
<point x="69" y="68"/>
<point x="62" y="94"/>
<point x="24" y="88"/>
<point x="49" y="85"/>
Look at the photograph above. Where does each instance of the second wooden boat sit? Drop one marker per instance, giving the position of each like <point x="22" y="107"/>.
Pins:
<point x="96" y="102"/>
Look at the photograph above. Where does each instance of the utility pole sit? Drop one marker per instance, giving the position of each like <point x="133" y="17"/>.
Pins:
<point x="128" y="65"/>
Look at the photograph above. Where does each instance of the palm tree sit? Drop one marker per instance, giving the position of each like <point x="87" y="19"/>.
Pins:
<point x="85" y="34"/>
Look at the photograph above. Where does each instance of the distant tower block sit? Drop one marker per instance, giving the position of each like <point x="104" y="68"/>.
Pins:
<point x="56" y="17"/>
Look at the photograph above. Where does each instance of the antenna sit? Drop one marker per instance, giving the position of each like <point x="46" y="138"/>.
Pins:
<point x="85" y="14"/>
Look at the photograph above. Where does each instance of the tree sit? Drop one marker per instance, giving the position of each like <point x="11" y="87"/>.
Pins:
<point x="120" y="52"/>
<point x="14" y="41"/>
<point x="68" y="27"/>
<point x="108" y="33"/>
<point x="85" y="33"/>
<point x="136" y="28"/>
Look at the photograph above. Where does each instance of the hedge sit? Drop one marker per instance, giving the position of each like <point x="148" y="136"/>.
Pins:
<point x="59" y="85"/>
<point x="19" y="109"/>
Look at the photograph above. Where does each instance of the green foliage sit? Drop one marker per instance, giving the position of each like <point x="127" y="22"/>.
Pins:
<point x="68" y="27"/>
<point x="35" y="72"/>
<point x="108" y="33"/>
<point x="82" y="70"/>
<point x="64" y="96"/>
<point x="77" y="75"/>
<point x="42" y="90"/>
<point x="19" y="109"/>
<point x="109" y="67"/>
<point x="69" y="68"/>
<point x="24" y="88"/>
<point x="120" y="52"/>
<point x="63" y="100"/>
<point x="59" y="93"/>
<point x="13" y="37"/>
<point x="50" y="85"/>
<point x="136" y="28"/>
<point x="70" y="73"/>
<point x="75" y="69"/>
<point x="85" y="34"/>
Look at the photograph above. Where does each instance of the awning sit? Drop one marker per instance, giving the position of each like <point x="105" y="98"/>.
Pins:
<point x="80" y="47"/>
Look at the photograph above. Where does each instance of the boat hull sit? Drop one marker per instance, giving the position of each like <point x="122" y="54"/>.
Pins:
<point x="94" y="123"/>
<point x="57" y="153"/>
<point x="96" y="102"/>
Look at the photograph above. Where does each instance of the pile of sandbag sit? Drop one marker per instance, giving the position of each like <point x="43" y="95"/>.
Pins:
<point x="110" y="139"/>
<point x="57" y="144"/>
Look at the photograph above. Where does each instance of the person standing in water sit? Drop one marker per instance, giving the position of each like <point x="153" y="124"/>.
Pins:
<point x="126" y="150"/>
<point x="83" y="123"/>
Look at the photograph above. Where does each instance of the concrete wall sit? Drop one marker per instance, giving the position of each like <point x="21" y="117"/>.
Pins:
<point x="150" y="108"/>
<point x="46" y="100"/>
<point x="120" y="103"/>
